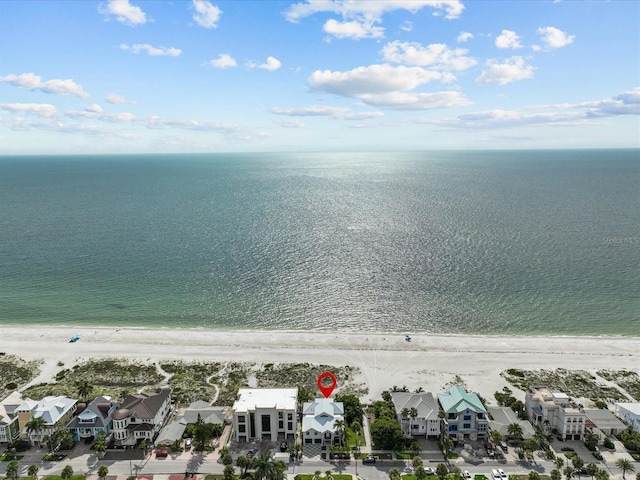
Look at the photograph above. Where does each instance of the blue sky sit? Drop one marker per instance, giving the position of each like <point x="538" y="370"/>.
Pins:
<point x="119" y="76"/>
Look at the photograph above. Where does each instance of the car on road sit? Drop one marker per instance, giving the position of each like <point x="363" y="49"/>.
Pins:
<point x="502" y="474"/>
<point x="251" y="452"/>
<point x="467" y="474"/>
<point x="495" y="474"/>
<point x="429" y="470"/>
<point x="369" y="460"/>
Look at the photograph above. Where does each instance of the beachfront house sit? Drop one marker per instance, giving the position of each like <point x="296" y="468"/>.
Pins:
<point x="175" y="429"/>
<point x="500" y="418"/>
<point x="417" y="413"/>
<point x="54" y="411"/>
<point x="95" y="417"/>
<point x="319" y="421"/>
<point x="265" y="414"/>
<point x="140" y="417"/>
<point x="9" y="426"/>
<point x="554" y="411"/>
<point x="629" y="412"/>
<point x="603" y="423"/>
<point x="465" y="417"/>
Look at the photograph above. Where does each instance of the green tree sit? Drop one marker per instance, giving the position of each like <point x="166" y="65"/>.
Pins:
<point x="100" y="443"/>
<point x="625" y="467"/>
<point x="67" y="472"/>
<point x="103" y="471"/>
<point x="592" y="469"/>
<point x="590" y="440"/>
<point x="446" y="444"/>
<point x="441" y="471"/>
<point x="304" y="396"/>
<point x="200" y="435"/>
<point x="559" y="461"/>
<point x="578" y="463"/>
<point x="416" y="462"/>
<point x="316" y="475"/>
<point x="35" y="426"/>
<point x="387" y="434"/>
<point x="515" y="432"/>
<point x="533" y="475"/>
<point x="568" y="472"/>
<point x="84" y="390"/>
<point x="602" y="474"/>
<point x="496" y="437"/>
<point x="555" y="474"/>
<point x="228" y="473"/>
<point x="394" y="474"/>
<point x="244" y="463"/>
<point x="414" y="447"/>
<point x="268" y="469"/>
<point x="340" y="427"/>
<point x="12" y="469"/>
<point x="353" y="410"/>
<point x="413" y="414"/>
<point x="420" y="472"/>
<point x="32" y="471"/>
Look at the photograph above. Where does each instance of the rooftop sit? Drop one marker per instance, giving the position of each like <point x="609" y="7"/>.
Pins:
<point x="250" y="399"/>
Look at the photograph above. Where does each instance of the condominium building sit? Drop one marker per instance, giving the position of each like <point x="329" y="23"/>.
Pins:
<point x="554" y="411"/>
<point x="265" y="414"/>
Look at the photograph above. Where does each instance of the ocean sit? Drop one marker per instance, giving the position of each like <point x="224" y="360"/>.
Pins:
<point x="487" y="242"/>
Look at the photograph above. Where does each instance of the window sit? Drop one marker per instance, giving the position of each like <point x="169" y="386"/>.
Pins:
<point x="242" y="428"/>
<point x="452" y="416"/>
<point x="280" y="415"/>
<point x="467" y="418"/>
<point x="466" y="426"/>
<point x="290" y="426"/>
<point x="240" y="418"/>
<point x="453" y="428"/>
<point x="480" y="416"/>
<point x="266" y="423"/>
<point x="281" y="424"/>
<point x="289" y="416"/>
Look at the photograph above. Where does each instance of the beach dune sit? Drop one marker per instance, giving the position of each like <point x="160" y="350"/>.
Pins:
<point x="384" y="359"/>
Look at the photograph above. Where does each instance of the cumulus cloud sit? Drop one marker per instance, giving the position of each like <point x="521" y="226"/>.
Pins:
<point x="124" y="12"/>
<point x="554" y="38"/>
<point x="508" y="71"/>
<point x="31" y="81"/>
<point x="206" y="15"/>
<point x="272" y="63"/>
<point x="38" y="109"/>
<point x="341" y="113"/>
<point x="151" y="50"/>
<point x="437" y="55"/>
<point x="116" y="99"/>
<point x="508" y="39"/>
<point x="361" y="19"/>
<point x="625" y="103"/>
<point x="223" y="61"/>
<point x="387" y="86"/>
<point x="464" y="36"/>
<point x="95" y="108"/>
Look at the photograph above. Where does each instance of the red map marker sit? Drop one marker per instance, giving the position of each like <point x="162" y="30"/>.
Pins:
<point x="326" y="390"/>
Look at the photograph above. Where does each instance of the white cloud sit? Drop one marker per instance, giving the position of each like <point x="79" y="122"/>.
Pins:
<point x="31" y="81"/>
<point x="272" y="63"/>
<point x="509" y="71"/>
<point x="508" y="39"/>
<point x="554" y="38"/>
<point x="464" y="36"/>
<point x="625" y="103"/>
<point x="207" y="15"/>
<point x="370" y="9"/>
<point x="437" y="55"/>
<point x="291" y="124"/>
<point x="407" y="26"/>
<point x="416" y="101"/>
<point x="116" y="99"/>
<point x="151" y="50"/>
<point x="224" y="60"/>
<point x="353" y="29"/>
<point x="341" y="113"/>
<point x="124" y="12"/>
<point x="39" y="109"/>
<point x="95" y="108"/>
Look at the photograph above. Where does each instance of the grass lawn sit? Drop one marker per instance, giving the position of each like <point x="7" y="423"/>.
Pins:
<point x="479" y="476"/>
<point x="4" y="458"/>
<point x="309" y="476"/>
<point x="58" y="477"/>
<point x="351" y="439"/>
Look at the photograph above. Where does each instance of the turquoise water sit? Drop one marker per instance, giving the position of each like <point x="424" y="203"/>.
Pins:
<point x="518" y="242"/>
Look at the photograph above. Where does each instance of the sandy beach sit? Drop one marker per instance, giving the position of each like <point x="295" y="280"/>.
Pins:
<point x="384" y="360"/>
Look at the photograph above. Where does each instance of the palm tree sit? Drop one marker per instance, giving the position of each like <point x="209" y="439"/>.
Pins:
<point x="84" y="389"/>
<point x="416" y="462"/>
<point x="12" y="469"/>
<point x="420" y="472"/>
<point x="228" y="473"/>
<point x="100" y="443"/>
<point x="244" y="463"/>
<point x="559" y="461"/>
<point x="103" y="471"/>
<point x="555" y="474"/>
<point x="568" y="472"/>
<point x="592" y="469"/>
<point x="340" y="427"/>
<point x="533" y="475"/>
<point x="268" y="469"/>
<point x="578" y="463"/>
<point x="413" y="414"/>
<point x="625" y="467"/>
<point x="67" y="472"/>
<point x="394" y="474"/>
<point x="602" y="474"/>
<point x="496" y="437"/>
<point x="441" y="471"/>
<point x="316" y="475"/>
<point x="404" y="413"/>
<point x="515" y="431"/>
<point x="35" y="426"/>
<point x="327" y="475"/>
<point x="32" y="471"/>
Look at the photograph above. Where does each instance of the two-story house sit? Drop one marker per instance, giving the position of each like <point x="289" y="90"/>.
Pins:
<point x="319" y="421"/>
<point x="465" y="417"/>
<point x="96" y="417"/>
<point x="265" y="414"/>
<point x="417" y="413"/>
<point x="9" y="425"/>
<point x="629" y="413"/>
<point x="54" y="411"/>
<point x="554" y="410"/>
<point x="140" y="417"/>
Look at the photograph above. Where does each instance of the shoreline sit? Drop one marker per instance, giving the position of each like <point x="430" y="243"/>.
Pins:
<point x="383" y="359"/>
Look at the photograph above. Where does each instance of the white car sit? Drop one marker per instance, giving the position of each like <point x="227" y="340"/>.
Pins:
<point x="429" y="471"/>
<point x="467" y="474"/>
<point x="502" y="474"/>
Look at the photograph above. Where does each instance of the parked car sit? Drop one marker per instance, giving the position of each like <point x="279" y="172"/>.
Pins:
<point x="369" y="459"/>
<point x="162" y="453"/>
<point x="251" y="452"/>
<point x="495" y="474"/>
<point x="467" y="474"/>
<point x="502" y="474"/>
<point x="187" y="444"/>
<point x="429" y="471"/>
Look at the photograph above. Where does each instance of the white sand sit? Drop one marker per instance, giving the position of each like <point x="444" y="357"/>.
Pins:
<point x="385" y="360"/>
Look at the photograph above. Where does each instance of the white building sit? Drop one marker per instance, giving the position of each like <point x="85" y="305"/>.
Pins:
<point x="426" y="422"/>
<point x="554" y="410"/>
<point x="54" y="411"/>
<point x="630" y="414"/>
<point x="319" y="421"/>
<point x="265" y="414"/>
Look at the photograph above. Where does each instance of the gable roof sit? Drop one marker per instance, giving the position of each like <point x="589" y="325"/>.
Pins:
<point x="8" y="407"/>
<point x="424" y="403"/>
<point x="143" y="405"/>
<point x="321" y="415"/>
<point x="458" y="400"/>
<point x="502" y="417"/>
<point x="52" y="409"/>
<point x="100" y="409"/>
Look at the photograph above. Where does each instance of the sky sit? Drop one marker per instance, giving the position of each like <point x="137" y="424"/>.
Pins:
<point x="141" y="76"/>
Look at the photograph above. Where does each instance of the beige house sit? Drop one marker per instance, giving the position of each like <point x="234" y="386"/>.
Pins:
<point x="554" y="410"/>
<point x="140" y="417"/>
<point x="55" y="411"/>
<point x="426" y="422"/>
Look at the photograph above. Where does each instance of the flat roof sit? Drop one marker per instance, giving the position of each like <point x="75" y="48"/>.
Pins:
<point x="279" y="398"/>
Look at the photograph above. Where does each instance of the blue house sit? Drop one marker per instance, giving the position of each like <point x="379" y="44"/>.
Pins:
<point x="465" y="417"/>
<point x="94" y="418"/>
